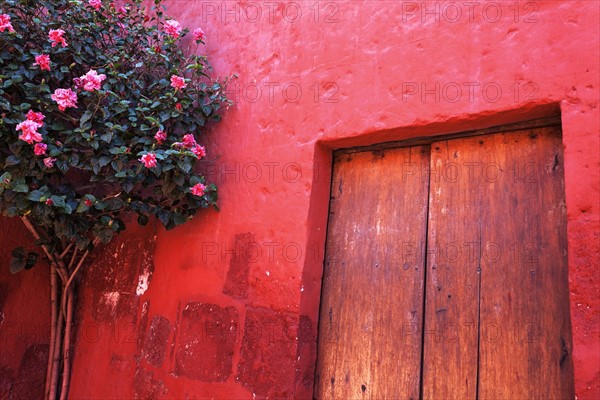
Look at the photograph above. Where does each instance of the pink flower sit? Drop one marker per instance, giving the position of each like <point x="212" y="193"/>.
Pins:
<point x="43" y="60"/>
<point x="177" y="82"/>
<point x="199" y="151"/>
<point x="199" y="35"/>
<point x="198" y="189"/>
<point x="149" y="160"/>
<point x="29" y="131"/>
<point x="97" y="4"/>
<point x="178" y="106"/>
<point x="173" y="28"/>
<point x="189" y="141"/>
<point x="160" y="137"/>
<point x="36" y="117"/>
<point x="49" y="162"/>
<point x="65" y="98"/>
<point x="56" y="36"/>
<point x="40" y="149"/>
<point x="91" y="81"/>
<point x="5" y="23"/>
<point x="120" y="9"/>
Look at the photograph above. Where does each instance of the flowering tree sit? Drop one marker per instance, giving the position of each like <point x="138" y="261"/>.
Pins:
<point x="101" y="110"/>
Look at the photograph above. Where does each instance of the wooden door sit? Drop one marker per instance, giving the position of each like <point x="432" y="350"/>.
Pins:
<point x="446" y="272"/>
<point x="374" y="276"/>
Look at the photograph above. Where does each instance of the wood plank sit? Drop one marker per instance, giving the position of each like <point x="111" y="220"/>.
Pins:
<point x="452" y="277"/>
<point x="497" y="246"/>
<point x="525" y="339"/>
<point x="372" y="297"/>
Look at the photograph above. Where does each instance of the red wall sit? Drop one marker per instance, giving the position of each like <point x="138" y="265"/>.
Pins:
<point x="24" y="319"/>
<point x="231" y="308"/>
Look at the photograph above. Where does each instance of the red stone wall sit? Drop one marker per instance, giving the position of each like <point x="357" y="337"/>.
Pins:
<point x="227" y="306"/>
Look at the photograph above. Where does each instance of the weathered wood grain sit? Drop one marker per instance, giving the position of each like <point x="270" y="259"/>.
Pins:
<point x="369" y="341"/>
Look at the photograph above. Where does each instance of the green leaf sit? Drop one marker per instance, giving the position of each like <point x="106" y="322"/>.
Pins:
<point x="114" y="204"/>
<point x="164" y="216"/>
<point x="142" y="220"/>
<point x="36" y="195"/>
<point x="11" y="160"/>
<point x="58" y="201"/>
<point x="85" y="118"/>
<point x="17" y="264"/>
<point x="31" y="260"/>
<point x="107" y="137"/>
<point x="179" y="219"/>
<point x="18" y="252"/>
<point x="105" y="234"/>
<point x="118" y="150"/>
<point x="5" y="179"/>
<point x="81" y="207"/>
<point x="185" y="165"/>
<point x="20" y="186"/>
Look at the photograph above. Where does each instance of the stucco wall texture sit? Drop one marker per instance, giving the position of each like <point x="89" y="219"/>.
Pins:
<point x="227" y="305"/>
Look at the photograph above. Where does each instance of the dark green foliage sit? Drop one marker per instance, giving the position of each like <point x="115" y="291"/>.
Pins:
<point x="97" y="175"/>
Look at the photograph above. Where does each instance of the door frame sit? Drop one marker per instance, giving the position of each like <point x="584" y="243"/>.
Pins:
<point x="312" y="275"/>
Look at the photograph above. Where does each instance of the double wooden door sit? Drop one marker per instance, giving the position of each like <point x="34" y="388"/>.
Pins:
<point x="446" y="272"/>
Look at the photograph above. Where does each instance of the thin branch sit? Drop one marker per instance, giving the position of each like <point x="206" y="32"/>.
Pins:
<point x="73" y="274"/>
<point x="64" y="253"/>
<point x="73" y="257"/>
<point x="56" y="356"/>
<point x="53" y="323"/>
<point x="67" y="346"/>
<point x="53" y="260"/>
<point x="37" y="237"/>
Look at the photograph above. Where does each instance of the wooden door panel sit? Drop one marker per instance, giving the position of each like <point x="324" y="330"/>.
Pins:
<point x="525" y="325"/>
<point x="452" y="278"/>
<point x="372" y="299"/>
<point x="497" y="239"/>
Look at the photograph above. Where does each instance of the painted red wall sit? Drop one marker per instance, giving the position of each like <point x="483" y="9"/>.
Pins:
<point x="24" y="319"/>
<point x="231" y="307"/>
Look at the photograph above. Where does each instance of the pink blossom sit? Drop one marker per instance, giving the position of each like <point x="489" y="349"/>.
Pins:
<point x="198" y="189"/>
<point x="91" y="81"/>
<point x="97" y="4"/>
<point x="178" y="106"/>
<point x="160" y="137"/>
<point x="43" y="61"/>
<point x="49" y="162"/>
<point x="177" y="82"/>
<point x="56" y="36"/>
<point x="189" y="141"/>
<point x="40" y="149"/>
<point x="199" y="35"/>
<point x="65" y="98"/>
<point x="149" y="160"/>
<point x="36" y="117"/>
<point x="120" y="9"/>
<point x="173" y="28"/>
<point x="5" y="23"/>
<point x="199" y="151"/>
<point x="29" y="131"/>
